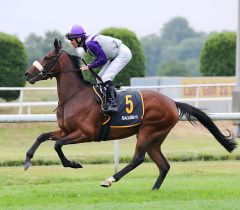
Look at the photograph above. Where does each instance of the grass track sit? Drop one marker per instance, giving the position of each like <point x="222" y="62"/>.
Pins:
<point x="183" y="141"/>
<point x="192" y="185"/>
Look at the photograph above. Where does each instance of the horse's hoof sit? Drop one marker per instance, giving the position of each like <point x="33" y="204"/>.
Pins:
<point x="26" y="165"/>
<point x="76" y="165"/>
<point x="108" y="182"/>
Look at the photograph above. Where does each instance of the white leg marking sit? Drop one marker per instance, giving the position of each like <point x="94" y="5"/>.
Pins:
<point x="108" y="182"/>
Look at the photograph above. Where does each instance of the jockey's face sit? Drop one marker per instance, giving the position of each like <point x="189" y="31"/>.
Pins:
<point x="74" y="43"/>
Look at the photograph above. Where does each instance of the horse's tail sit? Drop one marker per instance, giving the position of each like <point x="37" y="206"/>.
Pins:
<point x="190" y="112"/>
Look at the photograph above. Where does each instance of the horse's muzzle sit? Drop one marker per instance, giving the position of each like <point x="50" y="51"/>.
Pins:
<point x="30" y="78"/>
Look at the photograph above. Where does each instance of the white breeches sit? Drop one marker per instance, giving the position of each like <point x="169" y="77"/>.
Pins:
<point x="112" y="68"/>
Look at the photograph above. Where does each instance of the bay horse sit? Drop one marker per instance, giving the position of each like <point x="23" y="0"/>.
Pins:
<point x="80" y="120"/>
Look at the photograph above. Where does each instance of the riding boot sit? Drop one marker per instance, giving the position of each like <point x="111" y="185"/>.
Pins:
<point x="110" y="104"/>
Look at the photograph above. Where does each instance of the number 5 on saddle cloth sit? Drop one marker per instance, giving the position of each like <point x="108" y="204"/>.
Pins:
<point x="131" y="110"/>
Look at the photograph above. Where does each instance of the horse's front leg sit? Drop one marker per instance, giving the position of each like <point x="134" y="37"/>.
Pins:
<point x="73" y="138"/>
<point x="43" y="137"/>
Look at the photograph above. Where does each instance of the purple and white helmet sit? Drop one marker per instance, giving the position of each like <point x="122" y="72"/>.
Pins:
<point x="77" y="31"/>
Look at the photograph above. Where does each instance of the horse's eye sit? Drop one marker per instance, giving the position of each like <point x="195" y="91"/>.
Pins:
<point x="45" y="58"/>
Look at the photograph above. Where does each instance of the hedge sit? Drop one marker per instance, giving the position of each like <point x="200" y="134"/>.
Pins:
<point x="13" y="64"/>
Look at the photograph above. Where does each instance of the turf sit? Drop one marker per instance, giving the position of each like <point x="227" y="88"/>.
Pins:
<point x="192" y="185"/>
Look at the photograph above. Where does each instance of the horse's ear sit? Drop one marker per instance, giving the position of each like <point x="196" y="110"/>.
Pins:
<point x="56" y="45"/>
<point x="60" y="44"/>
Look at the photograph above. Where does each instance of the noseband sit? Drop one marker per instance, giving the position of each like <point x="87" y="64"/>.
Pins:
<point x="44" y="71"/>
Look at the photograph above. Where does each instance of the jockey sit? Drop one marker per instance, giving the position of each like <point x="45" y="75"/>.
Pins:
<point x="110" y="54"/>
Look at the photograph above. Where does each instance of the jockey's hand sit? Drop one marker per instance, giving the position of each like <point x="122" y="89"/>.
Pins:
<point x="84" y="68"/>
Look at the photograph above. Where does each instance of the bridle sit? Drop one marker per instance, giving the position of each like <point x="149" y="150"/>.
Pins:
<point x="44" y="71"/>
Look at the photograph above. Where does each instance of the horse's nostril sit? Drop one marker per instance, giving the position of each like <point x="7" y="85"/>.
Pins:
<point x="26" y="74"/>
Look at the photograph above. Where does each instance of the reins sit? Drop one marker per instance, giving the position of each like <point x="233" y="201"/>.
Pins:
<point x="73" y="70"/>
<point x="62" y="104"/>
<point x="93" y="72"/>
<point x="45" y="73"/>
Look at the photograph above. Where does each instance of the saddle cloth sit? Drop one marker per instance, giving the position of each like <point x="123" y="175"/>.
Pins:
<point x="130" y="108"/>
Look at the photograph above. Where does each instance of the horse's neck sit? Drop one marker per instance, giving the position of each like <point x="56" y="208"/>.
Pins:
<point x="69" y="84"/>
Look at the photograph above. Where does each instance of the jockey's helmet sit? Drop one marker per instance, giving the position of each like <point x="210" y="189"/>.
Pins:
<point x="77" y="31"/>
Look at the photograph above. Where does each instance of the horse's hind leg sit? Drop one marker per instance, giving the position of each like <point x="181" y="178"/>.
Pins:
<point x="156" y="155"/>
<point x="43" y="137"/>
<point x="137" y="159"/>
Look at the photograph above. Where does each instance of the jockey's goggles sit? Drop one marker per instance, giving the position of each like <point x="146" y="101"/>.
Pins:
<point x="70" y="36"/>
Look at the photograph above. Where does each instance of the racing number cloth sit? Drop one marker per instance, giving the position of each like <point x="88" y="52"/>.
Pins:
<point x="131" y="109"/>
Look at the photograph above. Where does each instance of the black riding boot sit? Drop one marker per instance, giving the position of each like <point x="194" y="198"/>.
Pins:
<point x="110" y="104"/>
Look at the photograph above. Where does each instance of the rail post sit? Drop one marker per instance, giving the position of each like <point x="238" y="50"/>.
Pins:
<point x="20" y="110"/>
<point x="236" y="91"/>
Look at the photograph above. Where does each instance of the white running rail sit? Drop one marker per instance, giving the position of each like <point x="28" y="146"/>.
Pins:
<point x="21" y="103"/>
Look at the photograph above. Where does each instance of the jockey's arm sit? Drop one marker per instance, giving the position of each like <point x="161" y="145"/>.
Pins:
<point x="97" y="51"/>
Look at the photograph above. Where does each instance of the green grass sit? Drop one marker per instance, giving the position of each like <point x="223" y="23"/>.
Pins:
<point x="183" y="143"/>
<point x="192" y="185"/>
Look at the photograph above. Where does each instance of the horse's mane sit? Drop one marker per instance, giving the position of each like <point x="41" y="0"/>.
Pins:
<point x="76" y="61"/>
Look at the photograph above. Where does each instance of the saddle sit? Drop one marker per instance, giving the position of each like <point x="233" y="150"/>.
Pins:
<point x="131" y="110"/>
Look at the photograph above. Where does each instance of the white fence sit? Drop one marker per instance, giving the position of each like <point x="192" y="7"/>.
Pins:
<point x="21" y="103"/>
<point x="52" y="118"/>
<point x="194" y="100"/>
<point x="22" y="118"/>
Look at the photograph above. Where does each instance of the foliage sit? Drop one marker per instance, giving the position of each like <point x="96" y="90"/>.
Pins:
<point x="176" y="30"/>
<point x="193" y="67"/>
<point x="189" y="48"/>
<point x="176" y="42"/>
<point x="38" y="46"/>
<point x="173" y="68"/>
<point x="136" y="67"/>
<point x="13" y="64"/>
<point x="219" y="54"/>
<point x="152" y="52"/>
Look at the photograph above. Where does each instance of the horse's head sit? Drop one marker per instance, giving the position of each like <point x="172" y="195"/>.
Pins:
<point x="47" y="67"/>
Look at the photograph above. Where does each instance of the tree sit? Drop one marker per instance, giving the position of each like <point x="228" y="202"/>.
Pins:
<point x="177" y="42"/>
<point x="33" y="45"/>
<point x="50" y="37"/>
<point x="176" y="30"/>
<point x="37" y="46"/>
<point x="152" y="51"/>
<point x="190" y="48"/>
<point x="136" y="67"/>
<point x="173" y="68"/>
<point x="219" y="54"/>
<point x="13" y="64"/>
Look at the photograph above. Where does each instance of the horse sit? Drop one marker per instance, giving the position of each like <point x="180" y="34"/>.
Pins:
<point x="80" y="120"/>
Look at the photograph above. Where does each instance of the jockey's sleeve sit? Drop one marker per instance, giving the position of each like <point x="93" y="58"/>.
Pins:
<point x="97" y="51"/>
